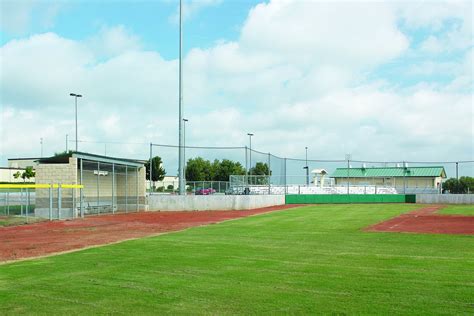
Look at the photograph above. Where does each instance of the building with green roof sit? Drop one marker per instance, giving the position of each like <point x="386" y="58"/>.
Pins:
<point x="411" y="177"/>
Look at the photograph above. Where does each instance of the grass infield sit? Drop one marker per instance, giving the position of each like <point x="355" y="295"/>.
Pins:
<point x="313" y="259"/>
<point x="458" y="210"/>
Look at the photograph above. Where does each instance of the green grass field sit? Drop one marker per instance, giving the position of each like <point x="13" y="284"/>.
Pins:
<point x="309" y="260"/>
<point x="458" y="210"/>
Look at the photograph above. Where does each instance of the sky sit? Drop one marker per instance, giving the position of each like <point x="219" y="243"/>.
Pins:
<point x="381" y="80"/>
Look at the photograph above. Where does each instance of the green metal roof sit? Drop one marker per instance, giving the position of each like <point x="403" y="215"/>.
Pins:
<point x="437" y="171"/>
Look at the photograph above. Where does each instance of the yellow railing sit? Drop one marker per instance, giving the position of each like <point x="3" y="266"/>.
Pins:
<point x="41" y="186"/>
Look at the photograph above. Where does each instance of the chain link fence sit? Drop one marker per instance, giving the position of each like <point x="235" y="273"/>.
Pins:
<point x="294" y="173"/>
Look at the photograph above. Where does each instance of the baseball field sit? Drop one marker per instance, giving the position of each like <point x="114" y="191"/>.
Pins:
<point x="316" y="259"/>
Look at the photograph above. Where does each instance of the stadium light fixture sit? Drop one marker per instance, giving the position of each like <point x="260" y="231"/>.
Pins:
<point x="75" y="95"/>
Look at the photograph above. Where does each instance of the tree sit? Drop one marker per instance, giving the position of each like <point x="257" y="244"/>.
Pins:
<point x="224" y="169"/>
<point x="461" y="186"/>
<point x="467" y="183"/>
<point x="158" y="173"/>
<point x="199" y="169"/>
<point x="260" y="169"/>
<point x="27" y="174"/>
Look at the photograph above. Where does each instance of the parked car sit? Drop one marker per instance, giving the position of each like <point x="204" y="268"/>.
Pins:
<point x="205" y="191"/>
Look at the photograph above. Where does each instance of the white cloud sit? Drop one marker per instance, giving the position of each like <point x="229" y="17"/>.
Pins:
<point x="192" y="7"/>
<point x="296" y="77"/>
<point x="112" y="41"/>
<point x="17" y="15"/>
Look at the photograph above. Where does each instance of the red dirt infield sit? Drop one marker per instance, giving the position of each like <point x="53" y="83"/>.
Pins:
<point x="46" y="238"/>
<point x="425" y="220"/>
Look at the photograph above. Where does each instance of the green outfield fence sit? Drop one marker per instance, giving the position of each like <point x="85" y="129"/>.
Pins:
<point x="348" y="198"/>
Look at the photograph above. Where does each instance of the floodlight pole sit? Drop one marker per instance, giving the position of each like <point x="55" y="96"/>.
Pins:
<point x="184" y="149"/>
<point x="41" y="143"/>
<point x="66" y="141"/>
<point x="181" y="136"/>
<point x="75" y="95"/>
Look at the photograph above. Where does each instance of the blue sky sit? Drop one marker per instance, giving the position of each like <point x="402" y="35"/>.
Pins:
<point x="154" y="21"/>
<point x="394" y="75"/>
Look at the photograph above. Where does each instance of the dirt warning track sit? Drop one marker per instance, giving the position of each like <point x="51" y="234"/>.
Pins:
<point x="45" y="238"/>
<point x="425" y="220"/>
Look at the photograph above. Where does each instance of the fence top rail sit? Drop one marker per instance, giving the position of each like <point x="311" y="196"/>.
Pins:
<point x="41" y="186"/>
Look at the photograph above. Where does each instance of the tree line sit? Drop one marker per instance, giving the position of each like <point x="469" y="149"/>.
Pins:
<point x="459" y="186"/>
<point x="200" y="169"/>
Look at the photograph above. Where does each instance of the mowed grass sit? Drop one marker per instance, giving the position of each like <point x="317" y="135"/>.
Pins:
<point x="309" y="260"/>
<point x="458" y="210"/>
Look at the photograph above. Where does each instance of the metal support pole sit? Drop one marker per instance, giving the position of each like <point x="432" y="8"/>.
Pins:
<point x="126" y="188"/>
<point x="348" y="157"/>
<point x="150" y="172"/>
<point x="81" y="194"/>
<point x="284" y="168"/>
<point x="457" y="170"/>
<point x="137" y="191"/>
<point x="50" y="202"/>
<point x="269" y="174"/>
<point x="21" y="201"/>
<point x="98" y="187"/>
<point x="180" y="93"/>
<point x="246" y="166"/>
<point x="59" y="201"/>
<point x="74" y="203"/>
<point x="113" y="188"/>
<point x="8" y="202"/>
<point x="27" y="203"/>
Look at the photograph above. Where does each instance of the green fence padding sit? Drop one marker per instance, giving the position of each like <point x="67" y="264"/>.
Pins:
<point x="348" y="198"/>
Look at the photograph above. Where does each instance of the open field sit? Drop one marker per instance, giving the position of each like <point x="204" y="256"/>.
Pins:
<point x="458" y="210"/>
<point x="313" y="259"/>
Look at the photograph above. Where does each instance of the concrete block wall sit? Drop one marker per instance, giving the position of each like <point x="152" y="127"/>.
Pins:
<point x="445" y="198"/>
<point x="64" y="173"/>
<point x="166" y="202"/>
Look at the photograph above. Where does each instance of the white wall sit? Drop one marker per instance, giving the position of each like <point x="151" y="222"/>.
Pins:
<point x="445" y="198"/>
<point x="165" y="202"/>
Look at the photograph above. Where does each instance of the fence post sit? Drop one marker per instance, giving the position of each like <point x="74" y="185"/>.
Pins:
<point x="21" y="201"/>
<point x="27" y="203"/>
<point x="8" y="202"/>
<point x="126" y="188"/>
<point x="81" y="196"/>
<point x="284" y="168"/>
<point x="50" y="202"/>
<point x="59" y="201"/>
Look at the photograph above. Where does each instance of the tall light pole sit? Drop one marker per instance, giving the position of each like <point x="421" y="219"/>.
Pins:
<point x="250" y="153"/>
<point x="66" y="142"/>
<point x="41" y="143"/>
<point x="306" y="167"/>
<point x="180" y="103"/>
<point x="184" y="147"/>
<point x="75" y="95"/>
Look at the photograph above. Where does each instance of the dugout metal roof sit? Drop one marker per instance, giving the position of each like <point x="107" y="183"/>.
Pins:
<point x="375" y="172"/>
